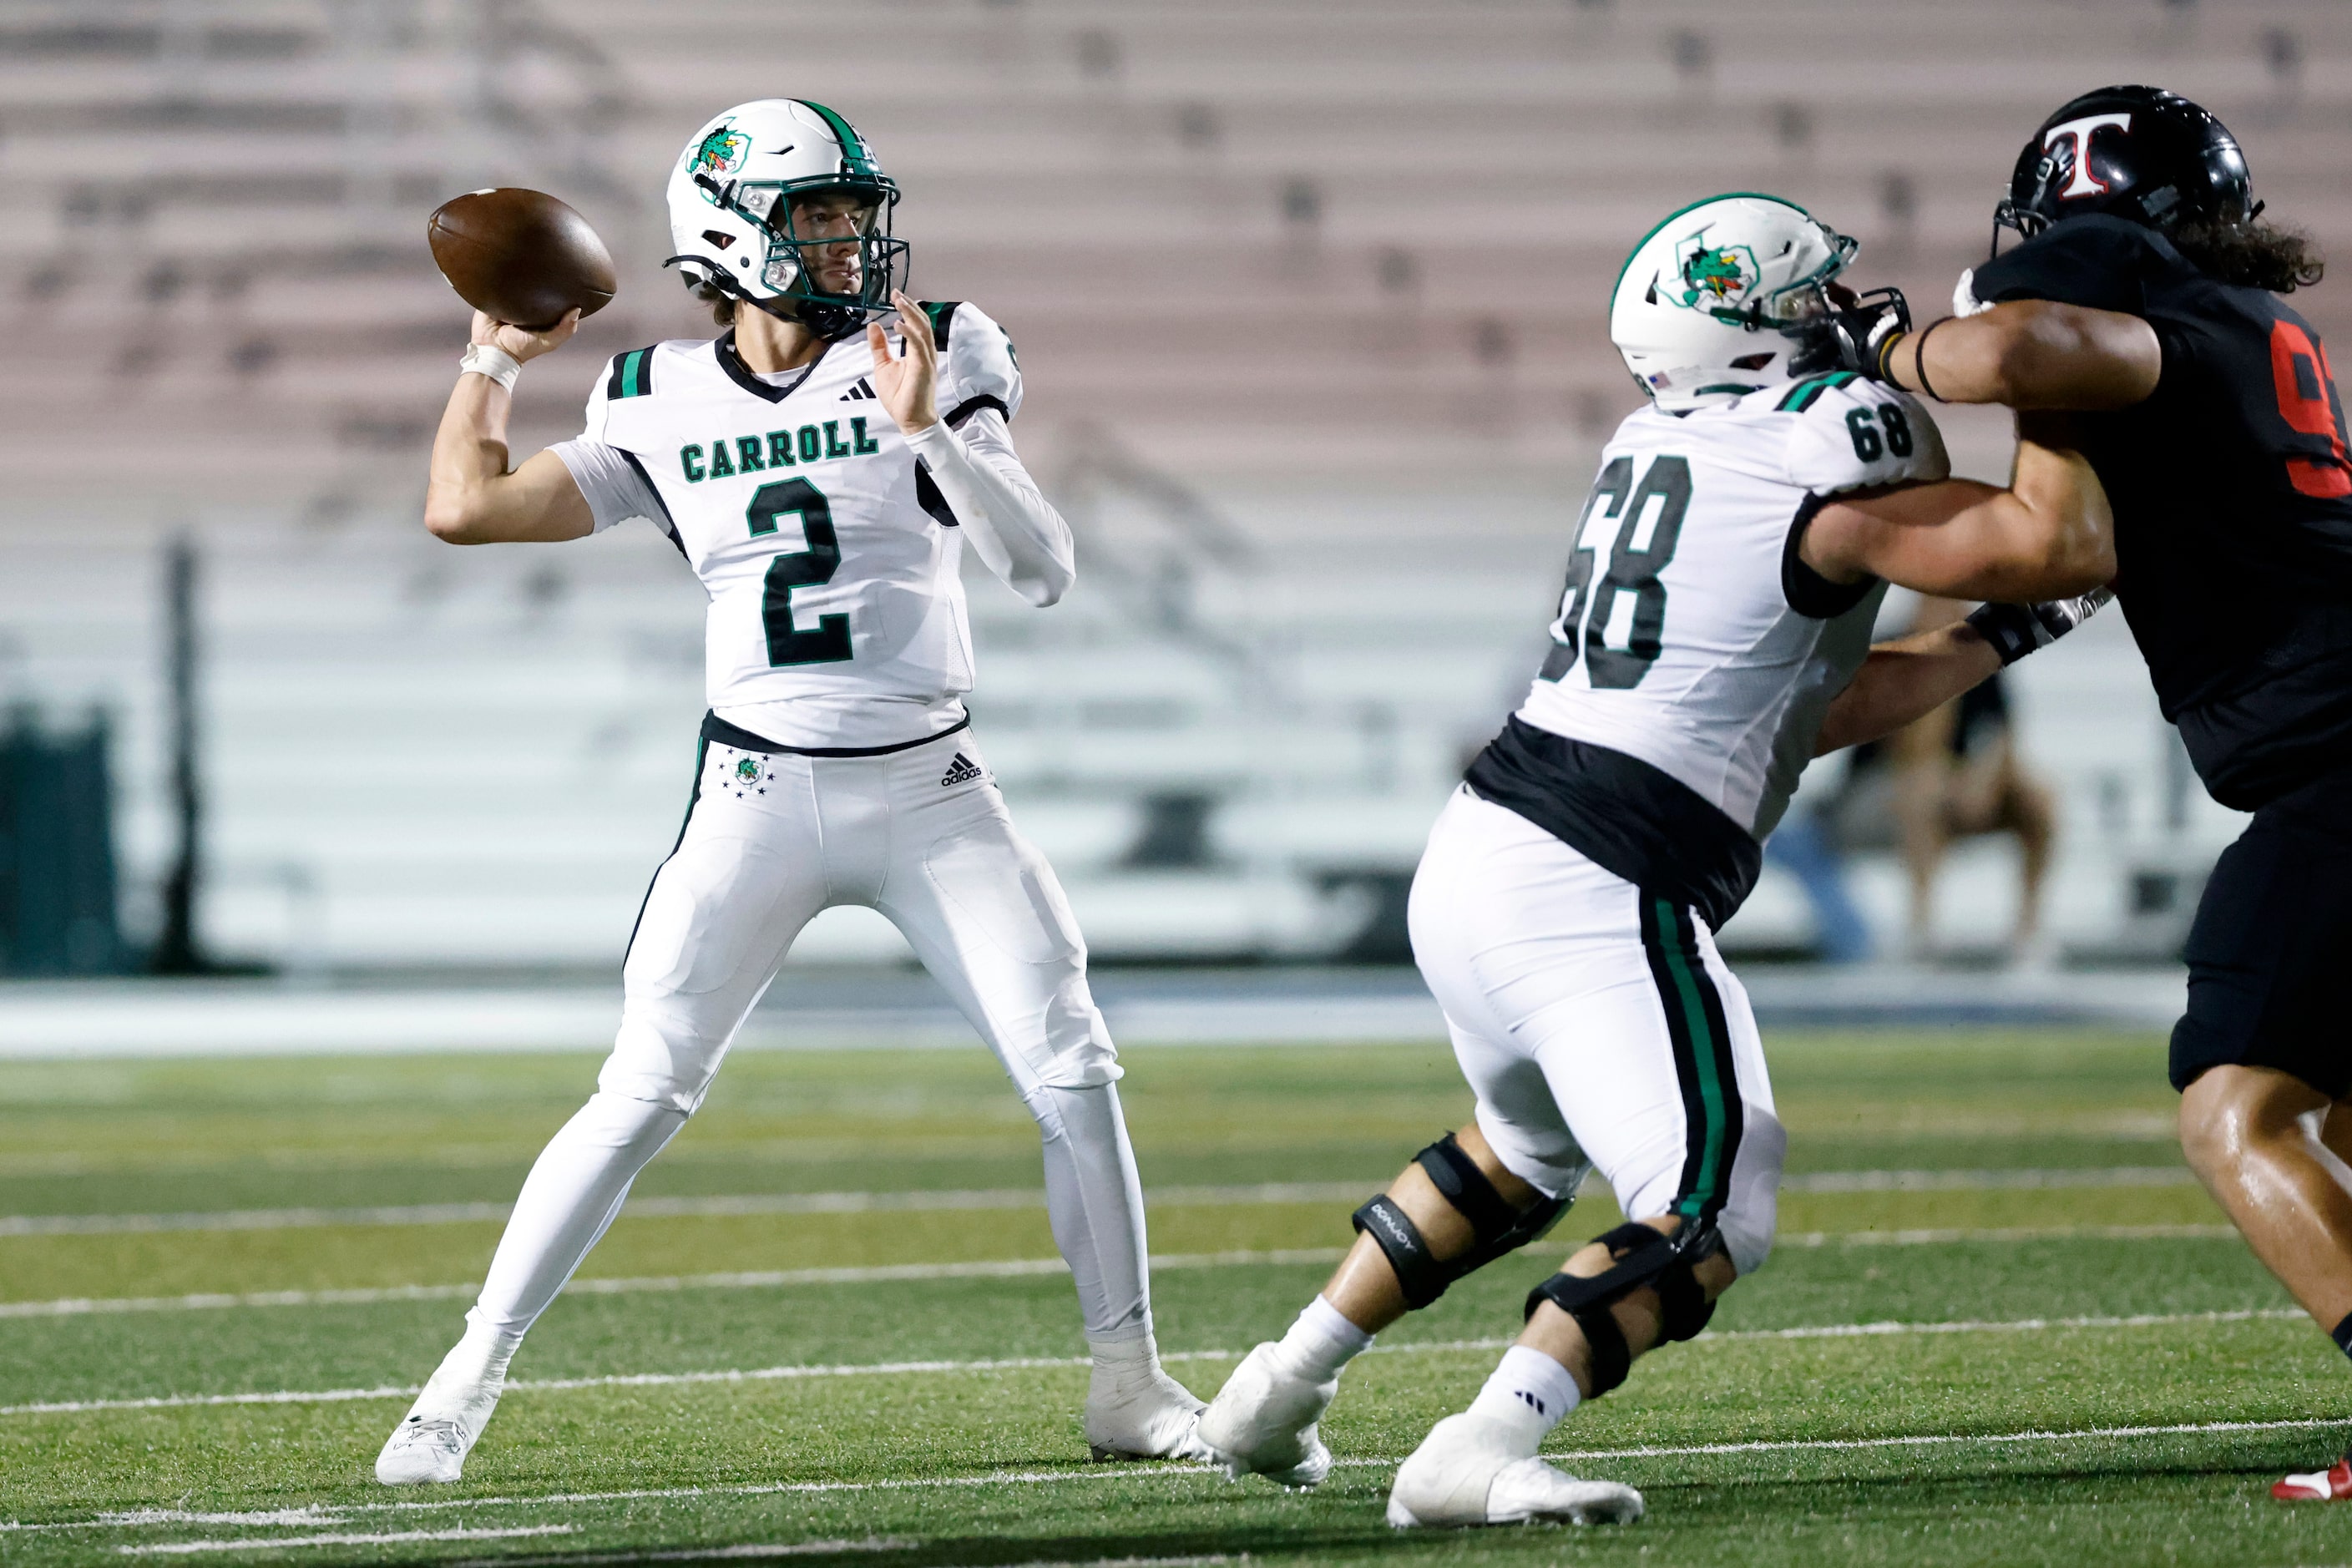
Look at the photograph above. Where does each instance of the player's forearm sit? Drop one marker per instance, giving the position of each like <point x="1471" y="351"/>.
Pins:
<point x="469" y="454"/>
<point x="1903" y="680"/>
<point x="2048" y="536"/>
<point x="1017" y="532"/>
<point x="2071" y="531"/>
<point x="2032" y="354"/>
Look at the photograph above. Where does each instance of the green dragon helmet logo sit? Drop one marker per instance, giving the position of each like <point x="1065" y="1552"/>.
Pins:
<point x="1715" y="275"/>
<point x="747" y="769"/>
<point x="720" y="153"/>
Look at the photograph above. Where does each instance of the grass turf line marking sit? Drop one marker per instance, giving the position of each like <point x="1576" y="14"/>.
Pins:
<point x="79" y="1306"/>
<point x="660" y="1208"/>
<point x="812" y="1548"/>
<point x="762" y="1279"/>
<point x="1023" y="1363"/>
<point x="1978" y="1181"/>
<point x="310" y="1513"/>
<point x="704" y="1553"/>
<point x="1014" y="1198"/>
<point x="1213" y="1472"/>
<point x="1948" y="1237"/>
<point x="264" y="1543"/>
<point x="1930" y="1439"/>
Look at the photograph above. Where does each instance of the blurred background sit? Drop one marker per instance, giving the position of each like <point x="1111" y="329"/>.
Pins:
<point x="1310" y="296"/>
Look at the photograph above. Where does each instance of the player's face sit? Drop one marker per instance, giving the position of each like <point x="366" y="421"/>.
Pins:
<point x="836" y="269"/>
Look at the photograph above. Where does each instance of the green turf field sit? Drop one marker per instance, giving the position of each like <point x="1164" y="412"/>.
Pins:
<point x="2001" y="1328"/>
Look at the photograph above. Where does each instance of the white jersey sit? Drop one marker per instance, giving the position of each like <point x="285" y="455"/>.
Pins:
<point x="832" y="560"/>
<point x="1690" y="636"/>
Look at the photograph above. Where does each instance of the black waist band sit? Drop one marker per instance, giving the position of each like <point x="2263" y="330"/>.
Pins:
<point x="1630" y="819"/>
<point x="715" y="729"/>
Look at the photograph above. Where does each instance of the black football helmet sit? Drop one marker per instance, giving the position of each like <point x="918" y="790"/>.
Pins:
<point x="2136" y="152"/>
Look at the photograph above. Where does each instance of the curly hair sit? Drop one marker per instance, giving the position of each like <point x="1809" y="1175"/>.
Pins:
<point x="722" y="306"/>
<point x="2252" y="254"/>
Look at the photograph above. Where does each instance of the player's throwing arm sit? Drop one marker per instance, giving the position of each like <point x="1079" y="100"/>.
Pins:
<point x="821" y="466"/>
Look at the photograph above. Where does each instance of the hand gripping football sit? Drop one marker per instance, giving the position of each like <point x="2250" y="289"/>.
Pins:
<point x="521" y="256"/>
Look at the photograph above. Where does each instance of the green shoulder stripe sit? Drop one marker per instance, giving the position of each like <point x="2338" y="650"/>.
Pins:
<point x="633" y="374"/>
<point x="1802" y="395"/>
<point x="942" y="315"/>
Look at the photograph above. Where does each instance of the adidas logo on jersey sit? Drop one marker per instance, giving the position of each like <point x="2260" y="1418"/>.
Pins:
<point x="862" y="392"/>
<point x="961" y="771"/>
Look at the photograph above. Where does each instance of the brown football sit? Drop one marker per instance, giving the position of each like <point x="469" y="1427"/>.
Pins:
<point x="521" y="256"/>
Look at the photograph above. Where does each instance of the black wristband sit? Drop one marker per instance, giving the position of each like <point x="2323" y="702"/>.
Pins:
<point x="1919" y="355"/>
<point x="2012" y="631"/>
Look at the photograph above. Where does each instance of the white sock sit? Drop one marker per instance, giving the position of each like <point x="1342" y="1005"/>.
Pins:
<point x="1124" y="1361"/>
<point x="1094" y="1200"/>
<point x="1322" y="1342"/>
<point x="467" y="1382"/>
<point x="490" y="1347"/>
<point x="1529" y="1396"/>
<point x="569" y="1199"/>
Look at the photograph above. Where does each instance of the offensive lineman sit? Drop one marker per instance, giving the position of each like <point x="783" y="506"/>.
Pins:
<point x="1725" y="574"/>
<point x="823" y="484"/>
<point x="2147" y="298"/>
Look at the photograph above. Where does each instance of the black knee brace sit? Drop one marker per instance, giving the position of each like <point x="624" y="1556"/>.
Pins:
<point x="1639" y="1256"/>
<point x="1496" y="1227"/>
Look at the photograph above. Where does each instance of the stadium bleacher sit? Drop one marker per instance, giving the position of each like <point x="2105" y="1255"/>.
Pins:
<point x="1316" y="363"/>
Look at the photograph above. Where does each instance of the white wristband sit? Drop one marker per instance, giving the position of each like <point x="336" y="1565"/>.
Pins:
<point x="487" y="359"/>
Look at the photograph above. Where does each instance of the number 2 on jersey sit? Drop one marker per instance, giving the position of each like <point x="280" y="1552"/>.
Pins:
<point x="1586" y="608"/>
<point x="828" y="641"/>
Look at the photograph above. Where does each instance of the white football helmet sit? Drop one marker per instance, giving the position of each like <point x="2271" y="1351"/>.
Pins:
<point x="1709" y="305"/>
<point x="732" y="221"/>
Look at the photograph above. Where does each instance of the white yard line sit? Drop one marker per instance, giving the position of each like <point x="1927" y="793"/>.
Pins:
<point x="726" y="1553"/>
<point x="1825" y="1182"/>
<point x="663" y="1208"/>
<point x="1022" y="1363"/>
<point x="1198" y="1472"/>
<point x="1988" y="1181"/>
<point x="72" y="1307"/>
<point x="1935" y="1439"/>
<point x="280" y="1543"/>
<point x="84" y="1306"/>
<point x="1942" y="1238"/>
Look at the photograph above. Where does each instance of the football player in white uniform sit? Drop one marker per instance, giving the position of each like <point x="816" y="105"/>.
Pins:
<point x="1713" y="637"/>
<point x="823" y="481"/>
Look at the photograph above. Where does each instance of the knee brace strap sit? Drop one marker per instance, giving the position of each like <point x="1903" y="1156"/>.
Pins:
<point x="1422" y="1276"/>
<point x="1640" y="1257"/>
<point x="1612" y="1358"/>
<point x="1496" y="1227"/>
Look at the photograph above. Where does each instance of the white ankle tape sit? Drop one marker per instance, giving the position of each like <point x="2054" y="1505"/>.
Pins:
<point x="488" y="359"/>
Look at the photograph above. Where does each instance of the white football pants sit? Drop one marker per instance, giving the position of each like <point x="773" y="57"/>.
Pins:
<point x="1598" y="1026"/>
<point x="922" y="835"/>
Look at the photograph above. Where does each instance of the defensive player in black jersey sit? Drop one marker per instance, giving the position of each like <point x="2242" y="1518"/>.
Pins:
<point x="2147" y="300"/>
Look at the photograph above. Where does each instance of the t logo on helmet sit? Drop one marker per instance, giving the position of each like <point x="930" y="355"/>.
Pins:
<point x="2082" y="182"/>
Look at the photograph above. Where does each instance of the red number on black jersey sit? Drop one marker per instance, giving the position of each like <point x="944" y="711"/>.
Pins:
<point x="2307" y="402"/>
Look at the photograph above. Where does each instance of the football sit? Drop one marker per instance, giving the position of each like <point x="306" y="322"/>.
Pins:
<point x="521" y="256"/>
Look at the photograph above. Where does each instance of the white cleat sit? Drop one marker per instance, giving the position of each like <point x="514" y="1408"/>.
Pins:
<point x="421" y="1449"/>
<point x="1263" y="1422"/>
<point x="1464" y="1473"/>
<point x="1152" y="1416"/>
<point x="440" y="1429"/>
